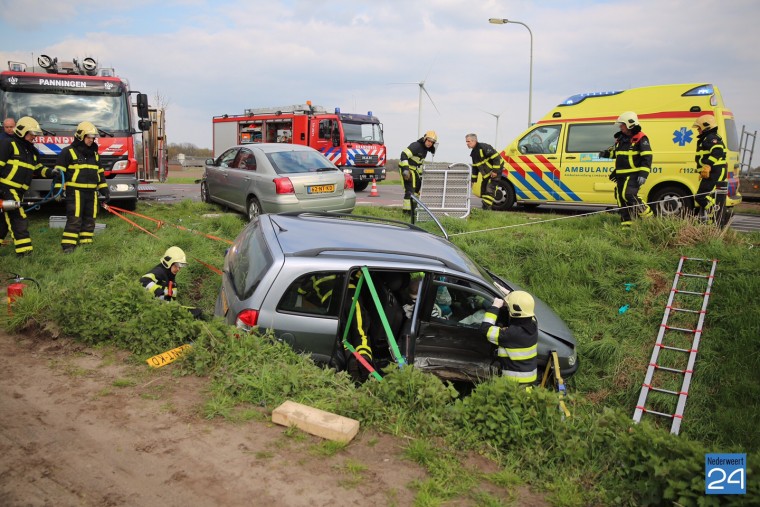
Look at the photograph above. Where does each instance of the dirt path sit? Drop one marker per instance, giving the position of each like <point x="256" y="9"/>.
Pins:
<point x="88" y="427"/>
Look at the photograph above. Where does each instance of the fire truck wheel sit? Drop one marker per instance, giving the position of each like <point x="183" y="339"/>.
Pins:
<point x="360" y="185"/>
<point x="254" y="208"/>
<point x="204" y="192"/>
<point x="504" y="198"/>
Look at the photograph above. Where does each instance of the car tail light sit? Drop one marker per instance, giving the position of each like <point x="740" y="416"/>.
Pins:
<point x="348" y="181"/>
<point x="247" y="319"/>
<point x="284" y="186"/>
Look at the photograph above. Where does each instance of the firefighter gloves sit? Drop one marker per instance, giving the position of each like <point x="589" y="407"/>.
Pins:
<point x="705" y="172"/>
<point x="105" y="194"/>
<point x="604" y="154"/>
<point x="612" y="176"/>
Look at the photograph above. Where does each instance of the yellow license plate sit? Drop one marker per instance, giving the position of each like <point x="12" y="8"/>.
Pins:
<point x="369" y="171"/>
<point x="320" y="189"/>
<point x="167" y="357"/>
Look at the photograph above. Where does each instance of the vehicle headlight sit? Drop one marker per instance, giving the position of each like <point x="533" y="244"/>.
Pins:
<point x="120" y="165"/>
<point x="571" y="359"/>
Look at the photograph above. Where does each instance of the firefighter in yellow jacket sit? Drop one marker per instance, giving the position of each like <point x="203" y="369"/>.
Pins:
<point x="711" y="163"/>
<point x="487" y="162"/>
<point x="517" y="343"/>
<point x="633" y="162"/>
<point x="19" y="162"/>
<point x="84" y="177"/>
<point x="410" y="166"/>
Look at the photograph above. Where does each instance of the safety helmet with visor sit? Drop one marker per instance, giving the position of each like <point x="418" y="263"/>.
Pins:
<point x="174" y="255"/>
<point x="520" y="304"/>
<point x="705" y="122"/>
<point x="628" y="118"/>
<point x="27" y="125"/>
<point x="86" y="129"/>
<point x="431" y="136"/>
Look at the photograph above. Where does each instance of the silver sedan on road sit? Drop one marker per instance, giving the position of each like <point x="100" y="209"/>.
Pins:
<point x="275" y="178"/>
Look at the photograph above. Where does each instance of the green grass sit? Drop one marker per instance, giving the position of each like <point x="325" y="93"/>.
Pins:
<point x="579" y="266"/>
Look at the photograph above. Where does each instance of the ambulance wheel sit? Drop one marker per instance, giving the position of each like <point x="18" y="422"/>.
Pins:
<point x="504" y="198"/>
<point x="675" y="201"/>
<point x="360" y="185"/>
<point x="204" y="192"/>
<point x="253" y="208"/>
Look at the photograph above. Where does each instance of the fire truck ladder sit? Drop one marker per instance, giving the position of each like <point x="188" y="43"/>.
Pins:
<point x="672" y="342"/>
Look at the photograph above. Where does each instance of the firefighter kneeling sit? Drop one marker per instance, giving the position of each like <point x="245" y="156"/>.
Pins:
<point x="159" y="281"/>
<point x="518" y="342"/>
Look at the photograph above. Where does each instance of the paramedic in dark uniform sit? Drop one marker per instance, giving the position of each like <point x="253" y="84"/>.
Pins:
<point x="487" y="162"/>
<point x="633" y="162"/>
<point x="711" y="163"/>
<point x="19" y="162"/>
<point x="410" y="166"/>
<point x="517" y="343"/>
<point x="80" y="162"/>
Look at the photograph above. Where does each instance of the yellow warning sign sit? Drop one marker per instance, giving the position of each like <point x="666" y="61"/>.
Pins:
<point x="167" y="357"/>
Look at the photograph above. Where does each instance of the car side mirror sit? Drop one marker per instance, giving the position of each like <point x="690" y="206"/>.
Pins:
<point x="209" y="161"/>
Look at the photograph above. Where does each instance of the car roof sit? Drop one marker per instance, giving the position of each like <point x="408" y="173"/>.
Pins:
<point x="275" y="147"/>
<point x="307" y="234"/>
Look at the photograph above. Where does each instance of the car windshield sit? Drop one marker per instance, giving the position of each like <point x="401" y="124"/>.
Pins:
<point x="293" y="162"/>
<point x="363" y="132"/>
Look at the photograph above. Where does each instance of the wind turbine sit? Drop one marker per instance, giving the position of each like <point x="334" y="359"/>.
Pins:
<point x="496" y="136"/>
<point x="421" y="85"/>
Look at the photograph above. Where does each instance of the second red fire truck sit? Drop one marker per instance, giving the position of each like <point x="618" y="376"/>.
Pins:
<point x="353" y="142"/>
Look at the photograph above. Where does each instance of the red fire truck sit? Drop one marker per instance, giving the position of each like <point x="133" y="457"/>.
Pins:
<point x="60" y="95"/>
<point x="353" y="142"/>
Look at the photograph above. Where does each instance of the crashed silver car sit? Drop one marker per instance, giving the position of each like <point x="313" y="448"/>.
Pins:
<point x="277" y="260"/>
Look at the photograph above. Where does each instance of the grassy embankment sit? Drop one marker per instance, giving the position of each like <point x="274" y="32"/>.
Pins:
<point x="580" y="266"/>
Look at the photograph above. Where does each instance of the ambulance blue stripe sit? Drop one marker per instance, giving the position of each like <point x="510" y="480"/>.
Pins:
<point x="520" y="193"/>
<point x="546" y="186"/>
<point x="530" y="188"/>
<point x="566" y="190"/>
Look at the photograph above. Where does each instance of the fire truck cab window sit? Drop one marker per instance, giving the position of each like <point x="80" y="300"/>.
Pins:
<point x="325" y="129"/>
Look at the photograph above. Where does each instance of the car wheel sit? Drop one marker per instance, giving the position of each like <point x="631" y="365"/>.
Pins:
<point x="671" y="201"/>
<point x="204" y="192"/>
<point x="504" y="197"/>
<point x="360" y="185"/>
<point x="254" y="208"/>
<point x="129" y="205"/>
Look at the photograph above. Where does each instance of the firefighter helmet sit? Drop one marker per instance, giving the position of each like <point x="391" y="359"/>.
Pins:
<point x="86" y="129"/>
<point x="27" y="125"/>
<point x="520" y="304"/>
<point x="174" y="255"/>
<point x="629" y="119"/>
<point x="705" y="122"/>
<point x="430" y="134"/>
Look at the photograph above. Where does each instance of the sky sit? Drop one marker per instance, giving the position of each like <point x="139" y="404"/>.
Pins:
<point x="205" y="58"/>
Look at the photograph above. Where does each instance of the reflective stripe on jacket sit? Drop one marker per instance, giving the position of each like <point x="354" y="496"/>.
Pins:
<point x="414" y="155"/>
<point x="485" y="159"/>
<point x="517" y="345"/>
<point x="19" y="162"/>
<point x="632" y="154"/>
<point x="81" y="165"/>
<point x="711" y="151"/>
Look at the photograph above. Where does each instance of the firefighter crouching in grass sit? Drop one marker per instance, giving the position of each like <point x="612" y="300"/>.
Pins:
<point x="19" y="161"/>
<point x="518" y="342"/>
<point x="80" y="163"/>
<point x="160" y="281"/>
<point x="711" y="163"/>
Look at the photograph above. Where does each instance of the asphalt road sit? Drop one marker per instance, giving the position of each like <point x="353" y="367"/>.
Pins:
<point x="391" y="195"/>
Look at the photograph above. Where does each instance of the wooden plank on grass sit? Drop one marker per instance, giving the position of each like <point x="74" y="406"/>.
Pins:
<point x="316" y="422"/>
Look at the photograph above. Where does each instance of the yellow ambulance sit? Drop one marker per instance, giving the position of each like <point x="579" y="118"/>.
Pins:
<point x="557" y="159"/>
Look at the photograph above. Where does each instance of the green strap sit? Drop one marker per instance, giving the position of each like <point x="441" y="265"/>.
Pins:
<point x="391" y="339"/>
<point x="346" y="344"/>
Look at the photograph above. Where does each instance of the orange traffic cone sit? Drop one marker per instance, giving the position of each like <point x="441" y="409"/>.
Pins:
<point x="373" y="192"/>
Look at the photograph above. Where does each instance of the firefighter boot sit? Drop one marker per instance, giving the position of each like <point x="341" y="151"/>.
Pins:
<point x="67" y="249"/>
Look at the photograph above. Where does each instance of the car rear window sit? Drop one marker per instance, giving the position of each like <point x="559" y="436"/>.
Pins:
<point x="293" y="162"/>
<point x="250" y="260"/>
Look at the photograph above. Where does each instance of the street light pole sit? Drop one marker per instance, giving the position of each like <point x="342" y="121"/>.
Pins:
<point x="499" y="21"/>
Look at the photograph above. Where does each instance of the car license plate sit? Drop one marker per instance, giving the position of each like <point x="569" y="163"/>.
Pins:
<point x="369" y="171"/>
<point x="320" y="189"/>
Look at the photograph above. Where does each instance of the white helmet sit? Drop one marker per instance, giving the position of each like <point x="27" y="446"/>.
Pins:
<point x="174" y="255"/>
<point x="629" y="119"/>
